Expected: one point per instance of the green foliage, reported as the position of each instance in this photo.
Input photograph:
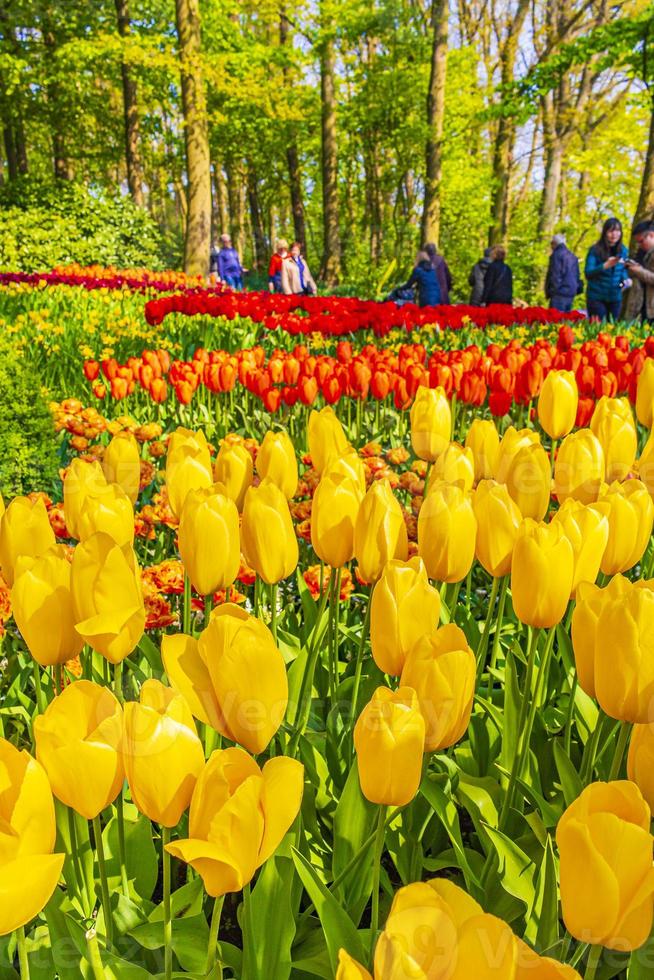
(48, 223)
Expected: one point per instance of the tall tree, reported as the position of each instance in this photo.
(133, 159)
(292, 154)
(431, 214)
(331, 258)
(198, 166)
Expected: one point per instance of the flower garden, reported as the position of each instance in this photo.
(329, 651)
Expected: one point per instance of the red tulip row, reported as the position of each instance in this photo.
(340, 315)
(100, 277)
(608, 365)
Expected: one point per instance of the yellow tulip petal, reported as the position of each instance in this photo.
(189, 674)
(283, 785)
(26, 887)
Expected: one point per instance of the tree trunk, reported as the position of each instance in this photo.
(331, 259)
(554, 150)
(197, 242)
(292, 155)
(256, 220)
(131, 113)
(236, 207)
(10, 151)
(645, 207)
(220, 208)
(431, 214)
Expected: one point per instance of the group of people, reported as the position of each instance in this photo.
(617, 286)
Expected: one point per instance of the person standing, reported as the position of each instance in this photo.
(296, 276)
(477, 277)
(230, 269)
(639, 299)
(498, 281)
(275, 266)
(563, 281)
(425, 279)
(442, 271)
(606, 273)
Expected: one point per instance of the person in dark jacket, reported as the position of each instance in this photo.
(606, 273)
(477, 276)
(563, 281)
(498, 283)
(425, 279)
(442, 271)
(230, 269)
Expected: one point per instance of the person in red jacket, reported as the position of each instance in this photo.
(275, 266)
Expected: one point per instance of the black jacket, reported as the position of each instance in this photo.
(498, 284)
(563, 277)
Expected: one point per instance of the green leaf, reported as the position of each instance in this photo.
(190, 940)
(140, 854)
(512, 702)
(641, 961)
(446, 812)
(273, 919)
(353, 825)
(515, 869)
(571, 783)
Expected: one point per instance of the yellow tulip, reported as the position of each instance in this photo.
(30, 871)
(541, 573)
(239, 815)
(579, 467)
(531, 966)
(529, 480)
(42, 603)
(447, 530)
(404, 606)
(441, 669)
(121, 463)
(484, 440)
(349, 969)
(512, 442)
(498, 519)
(24, 531)
(108, 509)
(380, 531)
(607, 878)
(645, 465)
(234, 469)
(631, 515)
(645, 394)
(456, 464)
(557, 403)
(640, 760)
(347, 464)
(188, 466)
(162, 753)
(586, 526)
(613, 424)
(389, 739)
(2, 506)
(591, 599)
(431, 423)
(624, 656)
(78, 742)
(277, 461)
(334, 511)
(326, 437)
(233, 677)
(107, 597)
(81, 478)
(208, 539)
(267, 534)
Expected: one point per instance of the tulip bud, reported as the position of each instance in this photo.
(81, 478)
(404, 606)
(267, 533)
(107, 597)
(590, 602)
(78, 742)
(557, 403)
(348, 464)
(640, 760)
(349, 969)
(24, 531)
(162, 753)
(107, 508)
(208, 539)
(624, 656)
(512, 442)
(579, 467)
(455, 465)
(30, 871)
(389, 739)
(326, 437)
(42, 604)
(121, 463)
(541, 574)
(233, 677)
(645, 394)
(613, 424)
(631, 515)
(334, 512)
(586, 526)
(431, 423)
(484, 440)
(447, 530)
(188, 466)
(529, 480)
(441, 669)
(380, 532)
(276, 460)
(232, 792)
(607, 879)
(234, 470)
(498, 519)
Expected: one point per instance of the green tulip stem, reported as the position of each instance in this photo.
(186, 611)
(75, 858)
(482, 646)
(498, 630)
(168, 925)
(40, 703)
(22, 954)
(58, 679)
(303, 709)
(590, 751)
(376, 873)
(570, 714)
(592, 966)
(621, 745)
(214, 965)
(334, 606)
(553, 454)
(359, 662)
(104, 883)
(208, 607)
(273, 610)
(93, 952)
(118, 681)
(120, 818)
(527, 698)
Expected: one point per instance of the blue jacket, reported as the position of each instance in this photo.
(563, 274)
(425, 278)
(604, 284)
(229, 263)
